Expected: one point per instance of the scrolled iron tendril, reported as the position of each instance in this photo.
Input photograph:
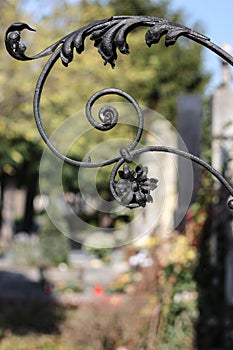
(109, 36)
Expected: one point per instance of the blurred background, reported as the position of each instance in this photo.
(171, 289)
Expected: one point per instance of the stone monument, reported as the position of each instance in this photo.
(222, 156)
(222, 120)
(189, 114)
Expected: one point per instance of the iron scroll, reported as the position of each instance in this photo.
(110, 37)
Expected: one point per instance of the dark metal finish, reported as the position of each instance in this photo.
(109, 36)
(134, 187)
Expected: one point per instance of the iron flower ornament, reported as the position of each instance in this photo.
(110, 37)
(134, 186)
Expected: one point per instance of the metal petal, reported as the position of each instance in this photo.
(153, 183)
(128, 172)
(67, 49)
(140, 198)
(174, 33)
(141, 172)
(149, 198)
(122, 186)
(127, 198)
(145, 188)
(154, 34)
(107, 47)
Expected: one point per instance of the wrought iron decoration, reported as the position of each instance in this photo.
(109, 36)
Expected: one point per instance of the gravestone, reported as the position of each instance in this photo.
(222, 121)
(178, 177)
(189, 128)
(158, 216)
(222, 155)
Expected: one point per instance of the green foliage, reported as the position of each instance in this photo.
(32, 342)
(20, 142)
(140, 7)
(102, 253)
(180, 309)
(53, 244)
(154, 76)
(26, 250)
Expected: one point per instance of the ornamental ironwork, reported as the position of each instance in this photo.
(110, 37)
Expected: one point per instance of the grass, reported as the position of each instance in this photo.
(95, 326)
(33, 342)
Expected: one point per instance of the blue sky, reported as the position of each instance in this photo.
(216, 17)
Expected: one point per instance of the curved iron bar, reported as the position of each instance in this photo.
(109, 35)
(166, 149)
(103, 127)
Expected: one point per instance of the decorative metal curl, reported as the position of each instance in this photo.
(109, 115)
(109, 36)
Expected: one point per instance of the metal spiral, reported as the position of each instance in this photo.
(109, 36)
